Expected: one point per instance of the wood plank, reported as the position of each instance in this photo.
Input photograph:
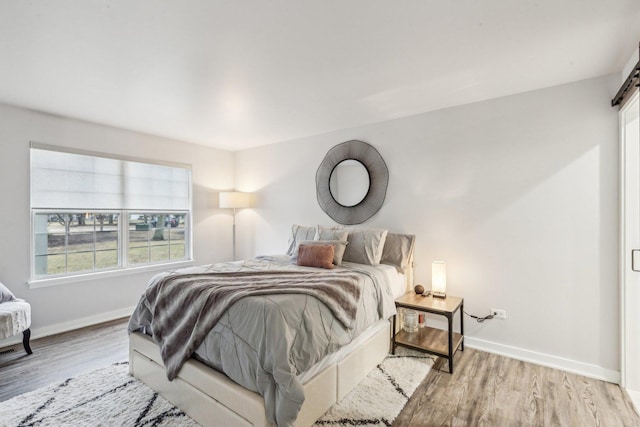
(430, 339)
(430, 304)
(491, 390)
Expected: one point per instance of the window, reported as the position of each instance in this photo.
(155, 237)
(93, 212)
(75, 242)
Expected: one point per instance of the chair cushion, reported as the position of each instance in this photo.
(15, 317)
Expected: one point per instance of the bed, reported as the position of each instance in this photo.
(243, 373)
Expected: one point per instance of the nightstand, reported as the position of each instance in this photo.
(431, 340)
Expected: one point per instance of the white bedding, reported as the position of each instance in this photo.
(294, 330)
(333, 358)
(397, 284)
(397, 281)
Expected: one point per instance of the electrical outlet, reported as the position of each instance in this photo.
(499, 313)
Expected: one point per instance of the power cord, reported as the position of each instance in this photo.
(479, 319)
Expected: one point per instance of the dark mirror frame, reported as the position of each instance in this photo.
(378, 182)
(362, 194)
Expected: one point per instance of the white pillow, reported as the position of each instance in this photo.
(365, 245)
(298, 234)
(334, 234)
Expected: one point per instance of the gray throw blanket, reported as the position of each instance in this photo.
(185, 307)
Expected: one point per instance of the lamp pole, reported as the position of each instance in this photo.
(234, 234)
(234, 200)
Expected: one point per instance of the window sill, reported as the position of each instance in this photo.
(63, 280)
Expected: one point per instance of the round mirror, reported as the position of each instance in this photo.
(349, 183)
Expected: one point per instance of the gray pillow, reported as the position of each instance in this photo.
(397, 251)
(365, 245)
(334, 234)
(298, 234)
(338, 246)
(5, 294)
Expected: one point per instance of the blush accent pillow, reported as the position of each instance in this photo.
(316, 256)
(365, 245)
(334, 234)
(338, 247)
(5, 294)
(298, 234)
(397, 251)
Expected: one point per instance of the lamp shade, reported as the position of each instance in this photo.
(439, 278)
(235, 199)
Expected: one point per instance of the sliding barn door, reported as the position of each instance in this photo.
(630, 269)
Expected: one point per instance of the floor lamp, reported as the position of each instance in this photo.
(234, 200)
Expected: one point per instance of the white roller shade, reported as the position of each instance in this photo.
(63, 180)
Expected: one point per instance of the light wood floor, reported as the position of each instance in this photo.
(485, 389)
(490, 390)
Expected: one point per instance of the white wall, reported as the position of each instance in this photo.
(71, 305)
(633, 60)
(519, 195)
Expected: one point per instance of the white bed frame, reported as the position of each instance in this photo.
(212, 399)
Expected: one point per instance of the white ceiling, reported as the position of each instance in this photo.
(236, 74)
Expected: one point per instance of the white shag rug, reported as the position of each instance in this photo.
(110, 397)
(380, 397)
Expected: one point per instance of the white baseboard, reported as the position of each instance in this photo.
(574, 366)
(634, 396)
(70, 325)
